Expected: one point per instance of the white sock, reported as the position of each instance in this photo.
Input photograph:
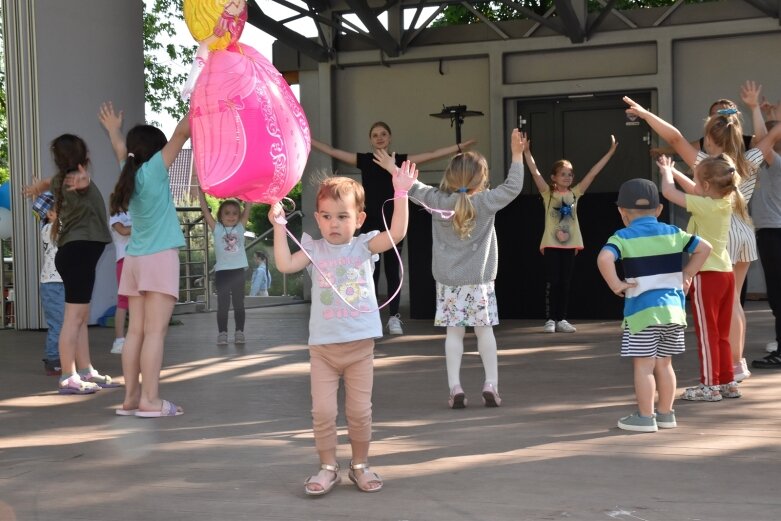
(454, 350)
(486, 345)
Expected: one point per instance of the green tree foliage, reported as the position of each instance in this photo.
(457, 14)
(163, 58)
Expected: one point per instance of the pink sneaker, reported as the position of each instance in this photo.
(491, 396)
(457, 398)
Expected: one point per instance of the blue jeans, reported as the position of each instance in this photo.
(53, 302)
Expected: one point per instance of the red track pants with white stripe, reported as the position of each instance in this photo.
(712, 294)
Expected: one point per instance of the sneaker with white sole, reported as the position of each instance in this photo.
(562, 326)
(741, 370)
(116, 347)
(394, 325)
(549, 327)
(666, 420)
(702, 393)
(636, 423)
(238, 337)
(771, 347)
(222, 338)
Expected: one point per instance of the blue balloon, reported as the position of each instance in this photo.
(5, 195)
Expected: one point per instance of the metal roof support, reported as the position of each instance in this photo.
(258, 18)
(574, 27)
(382, 37)
(485, 20)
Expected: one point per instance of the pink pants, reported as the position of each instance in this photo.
(354, 362)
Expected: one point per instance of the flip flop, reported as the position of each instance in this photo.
(125, 412)
(168, 409)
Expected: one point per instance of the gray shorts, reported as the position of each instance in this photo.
(656, 341)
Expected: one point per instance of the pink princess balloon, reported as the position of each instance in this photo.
(250, 135)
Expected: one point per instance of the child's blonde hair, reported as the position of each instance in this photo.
(726, 132)
(466, 174)
(338, 189)
(720, 173)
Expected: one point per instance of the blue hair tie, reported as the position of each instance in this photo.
(462, 190)
(727, 112)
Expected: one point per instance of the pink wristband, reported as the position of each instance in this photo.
(400, 193)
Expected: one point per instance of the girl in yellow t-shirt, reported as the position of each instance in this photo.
(561, 239)
(710, 198)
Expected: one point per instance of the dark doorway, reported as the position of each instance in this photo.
(578, 129)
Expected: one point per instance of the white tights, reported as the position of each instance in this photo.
(454, 350)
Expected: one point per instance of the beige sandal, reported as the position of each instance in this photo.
(365, 478)
(325, 486)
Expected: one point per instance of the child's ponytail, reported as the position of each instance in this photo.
(726, 132)
(720, 172)
(143, 142)
(69, 152)
(466, 174)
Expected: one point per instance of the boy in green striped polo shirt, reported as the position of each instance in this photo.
(654, 288)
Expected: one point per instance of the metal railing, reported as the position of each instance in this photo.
(298, 214)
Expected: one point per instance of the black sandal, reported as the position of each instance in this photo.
(771, 361)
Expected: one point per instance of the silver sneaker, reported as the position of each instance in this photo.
(238, 337)
(771, 347)
(394, 325)
(549, 327)
(222, 339)
(562, 326)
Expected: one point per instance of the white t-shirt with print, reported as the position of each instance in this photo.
(49, 272)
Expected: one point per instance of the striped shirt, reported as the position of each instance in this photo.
(652, 256)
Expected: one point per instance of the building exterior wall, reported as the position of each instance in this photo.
(685, 67)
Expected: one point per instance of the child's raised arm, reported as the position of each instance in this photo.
(688, 185)
(666, 131)
(245, 213)
(750, 94)
(112, 122)
(767, 143)
(669, 191)
(542, 185)
(205, 210)
(597, 168)
(403, 178)
(284, 260)
(178, 139)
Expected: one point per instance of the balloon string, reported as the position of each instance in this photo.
(445, 214)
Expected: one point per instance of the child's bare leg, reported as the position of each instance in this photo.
(131, 353)
(157, 314)
(665, 383)
(645, 385)
(119, 322)
(737, 330)
(75, 317)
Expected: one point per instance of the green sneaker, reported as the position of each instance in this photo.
(666, 420)
(635, 422)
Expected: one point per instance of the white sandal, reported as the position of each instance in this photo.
(363, 479)
(325, 487)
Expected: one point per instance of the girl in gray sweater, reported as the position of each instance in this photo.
(465, 258)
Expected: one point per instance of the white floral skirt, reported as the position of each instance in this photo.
(469, 305)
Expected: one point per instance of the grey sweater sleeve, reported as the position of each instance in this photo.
(504, 194)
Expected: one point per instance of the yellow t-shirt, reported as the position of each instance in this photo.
(561, 219)
(710, 220)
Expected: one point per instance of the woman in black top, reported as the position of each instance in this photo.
(378, 187)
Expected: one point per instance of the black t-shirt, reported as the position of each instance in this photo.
(378, 185)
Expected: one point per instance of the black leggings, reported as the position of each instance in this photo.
(391, 263)
(76, 262)
(230, 286)
(769, 246)
(559, 265)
